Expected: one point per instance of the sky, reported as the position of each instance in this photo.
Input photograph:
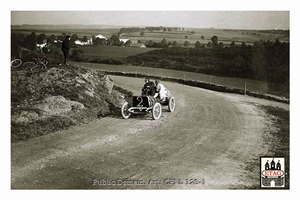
(196, 19)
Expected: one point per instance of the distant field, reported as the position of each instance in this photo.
(192, 35)
(252, 85)
(225, 36)
(116, 52)
(106, 32)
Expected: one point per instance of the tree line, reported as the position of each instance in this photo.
(264, 60)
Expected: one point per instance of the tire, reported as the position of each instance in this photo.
(171, 104)
(28, 65)
(16, 63)
(124, 112)
(156, 111)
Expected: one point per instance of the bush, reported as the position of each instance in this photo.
(77, 55)
(108, 61)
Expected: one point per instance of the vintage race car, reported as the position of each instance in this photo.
(147, 104)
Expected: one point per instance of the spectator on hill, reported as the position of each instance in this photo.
(65, 48)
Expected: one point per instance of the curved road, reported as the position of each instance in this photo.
(208, 139)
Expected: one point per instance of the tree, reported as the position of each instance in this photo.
(74, 37)
(31, 41)
(110, 42)
(139, 41)
(232, 45)
(259, 61)
(277, 43)
(174, 44)
(209, 44)
(186, 37)
(99, 41)
(128, 43)
(142, 33)
(214, 40)
(221, 45)
(150, 43)
(61, 37)
(52, 38)
(202, 37)
(84, 39)
(16, 42)
(244, 45)
(186, 43)
(40, 39)
(197, 45)
(115, 39)
(165, 29)
(163, 42)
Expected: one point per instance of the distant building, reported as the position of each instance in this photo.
(88, 42)
(124, 40)
(41, 45)
(139, 45)
(101, 37)
(78, 42)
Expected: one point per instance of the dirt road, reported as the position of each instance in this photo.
(208, 139)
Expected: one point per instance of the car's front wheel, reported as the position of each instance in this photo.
(124, 110)
(156, 111)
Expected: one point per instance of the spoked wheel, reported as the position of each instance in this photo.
(171, 104)
(16, 63)
(156, 111)
(124, 110)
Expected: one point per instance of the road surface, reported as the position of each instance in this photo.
(205, 143)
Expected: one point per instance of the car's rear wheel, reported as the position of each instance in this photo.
(171, 104)
(156, 111)
(124, 110)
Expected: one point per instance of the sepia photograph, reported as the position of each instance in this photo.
(143, 100)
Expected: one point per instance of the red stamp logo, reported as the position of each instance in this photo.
(272, 172)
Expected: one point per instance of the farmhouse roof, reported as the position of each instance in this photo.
(78, 42)
(100, 36)
(124, 40)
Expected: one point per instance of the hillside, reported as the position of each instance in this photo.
(59, 97)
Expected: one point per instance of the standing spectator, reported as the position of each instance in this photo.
(65, 49)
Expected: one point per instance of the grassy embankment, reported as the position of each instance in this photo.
(277, 139)
(280, 134)
(58, 97)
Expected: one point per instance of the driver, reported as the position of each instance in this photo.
(149, 87)
(161, 91)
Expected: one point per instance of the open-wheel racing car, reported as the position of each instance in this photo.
(147, 104)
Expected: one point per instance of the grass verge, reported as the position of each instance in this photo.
(280, 143)
(277, 138)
